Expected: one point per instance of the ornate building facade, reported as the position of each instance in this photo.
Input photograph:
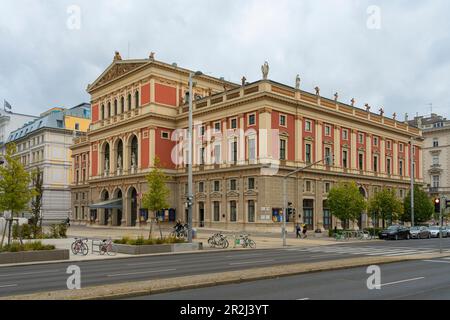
(246, 138)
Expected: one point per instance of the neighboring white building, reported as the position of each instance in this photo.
(436, 153)
(10, 121)
(45, 143)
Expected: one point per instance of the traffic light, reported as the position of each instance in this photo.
(447, 204)
(437, 205)
(189, 201)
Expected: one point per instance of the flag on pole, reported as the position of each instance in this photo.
(6, 105)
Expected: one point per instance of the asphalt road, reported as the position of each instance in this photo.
(46, 277)
(418, 280)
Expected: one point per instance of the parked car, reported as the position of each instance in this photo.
(436, 230)
(395, 233)
(420, 232)
(447, 228)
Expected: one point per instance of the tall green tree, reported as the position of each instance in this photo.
(385, 205)
(15, 190)
(156, 198)
(36, 203)
(346, 202)
(423, 206)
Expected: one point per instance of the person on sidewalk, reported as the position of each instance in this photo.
(304, 231)
(298, 229)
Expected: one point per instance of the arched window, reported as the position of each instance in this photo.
(103, 112)
(109, 109)
(122, 105)
(136, 100)
(129, 102)
(120, 155)
(115, 107)
(107, 162)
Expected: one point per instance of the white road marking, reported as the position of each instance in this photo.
(402, 281)
(150, 263)
(249, 262)
(141, 272)
(8, 285)
(28, 273)
(245, 256)
(436, 261)
(303, 299)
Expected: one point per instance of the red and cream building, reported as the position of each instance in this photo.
(246, 137)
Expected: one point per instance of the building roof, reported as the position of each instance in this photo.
(53, 119)
(434, 121)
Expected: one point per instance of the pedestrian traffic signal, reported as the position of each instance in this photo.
(437, 205)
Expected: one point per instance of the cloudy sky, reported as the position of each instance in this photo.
(393, 53)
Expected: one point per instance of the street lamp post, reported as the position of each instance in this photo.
(285, 201)
(411, 157)
(190, 200)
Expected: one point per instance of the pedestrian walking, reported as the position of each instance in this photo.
(298, 229)
(304, 231)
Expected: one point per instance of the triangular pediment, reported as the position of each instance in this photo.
(115, 71)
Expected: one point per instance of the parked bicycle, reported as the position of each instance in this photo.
(218, 240)
(180, 231)
(246, 242)
(80, 246)
(107, 247)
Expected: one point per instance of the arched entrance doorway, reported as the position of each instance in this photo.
(106, 212)
(133, 205)
(117, 213)
(201, 214)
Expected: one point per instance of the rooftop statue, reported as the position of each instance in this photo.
(265, 70)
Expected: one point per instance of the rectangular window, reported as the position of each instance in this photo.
(388, 165)
(251, 211)
(77, 126)
(388, 145)
(233, 211)
(375, 164)
(283, 120)
(234, 123)
(252, 119)
(328, 159)
(202, 131)
(216, 186)
(217, 127)
(375, 141)
(308, 186)
(216, 211)
(400, 147)
(201, 187)
(251, 183)
(202, 156)
(345, 159)
(344, 134)
(282, 149)
(436, 181)
(217, 155)
(361, 161)
(327, 187)
(400, 168)
(308, 153)
(234, 152)
(308, 126)
(251, 149)
(233, 185)
(435, 160)
(327, 131)
(361, 138)
(164, 135)
(59, 123)
(435, 142)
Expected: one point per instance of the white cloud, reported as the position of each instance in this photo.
(403, 66)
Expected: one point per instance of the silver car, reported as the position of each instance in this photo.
(436, 230)
(420, 233)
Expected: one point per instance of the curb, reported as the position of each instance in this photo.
(143, 288)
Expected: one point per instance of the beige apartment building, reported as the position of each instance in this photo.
(246, 137)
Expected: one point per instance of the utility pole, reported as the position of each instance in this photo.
(411, 157)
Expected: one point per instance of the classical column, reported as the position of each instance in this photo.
(369, 152)
(139, 162)
(382, 155)
(319, 141)
(152, 91)
(241, 205)
(318, 207)
(224, 148)
(241, 140)
(354, 151)
(298, 139)
(337, 148)
(126, 155)
(265, 135)
(395, 159)
(152, 146)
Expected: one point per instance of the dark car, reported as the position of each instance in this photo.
(395, 233)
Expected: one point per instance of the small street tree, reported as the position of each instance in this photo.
(36, 203)
(346, 202)
(15, 191)
(156, 198)
(423, 206)
(385, 205)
